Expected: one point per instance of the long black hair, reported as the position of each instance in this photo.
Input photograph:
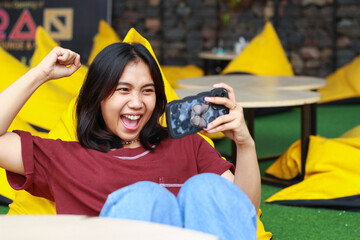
(101, 81)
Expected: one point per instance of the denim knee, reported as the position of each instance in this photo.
(212, 204)
(214, 186)
(146, 201)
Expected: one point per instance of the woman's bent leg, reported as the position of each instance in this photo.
(212, 204)
(145, 201)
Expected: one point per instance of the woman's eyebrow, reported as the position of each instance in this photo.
(124, 83)
(129, 84)
(149, 85)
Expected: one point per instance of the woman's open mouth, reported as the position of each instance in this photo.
(131, 122)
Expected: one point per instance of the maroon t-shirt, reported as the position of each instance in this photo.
(80, 179)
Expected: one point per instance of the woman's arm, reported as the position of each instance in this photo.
(57, 64)
(233, 125)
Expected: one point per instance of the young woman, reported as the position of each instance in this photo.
(124, 164)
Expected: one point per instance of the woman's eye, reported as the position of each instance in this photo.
(122, 89)
(149, 90)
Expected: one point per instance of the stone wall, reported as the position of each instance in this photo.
(317, 35)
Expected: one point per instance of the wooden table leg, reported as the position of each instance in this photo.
(250, 117)
(308, 127)
(313, 119)
(206, 67)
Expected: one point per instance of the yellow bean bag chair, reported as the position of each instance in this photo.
(331, 175)
(354, 132)
(343, 83)
(174, 73)
(264, 55)
(11, 69)
(106, 35)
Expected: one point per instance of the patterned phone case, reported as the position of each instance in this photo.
(191, 114)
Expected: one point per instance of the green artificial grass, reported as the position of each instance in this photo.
(3, 210)
(300, 223)
(273, 135)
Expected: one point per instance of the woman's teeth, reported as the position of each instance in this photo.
(132, 117)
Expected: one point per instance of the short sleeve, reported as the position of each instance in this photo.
(209, 160)
(35, 166)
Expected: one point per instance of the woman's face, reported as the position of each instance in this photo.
(130, 107)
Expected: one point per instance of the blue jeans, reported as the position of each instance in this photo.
(206, 202)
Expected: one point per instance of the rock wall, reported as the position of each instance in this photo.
(318, 36)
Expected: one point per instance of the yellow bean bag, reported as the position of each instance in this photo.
(343, 83)
(354, 132)
(11, 69)
(264, 55)
(106, 35)
(331, 175)
(174, 73)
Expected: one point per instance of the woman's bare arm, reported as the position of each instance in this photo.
(233, 125)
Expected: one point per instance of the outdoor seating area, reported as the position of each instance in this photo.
(300, 98)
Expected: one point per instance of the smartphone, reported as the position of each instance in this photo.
(191, 114)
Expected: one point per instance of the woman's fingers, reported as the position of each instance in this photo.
(233, 125)
(68, 57)
(223, 123)
(229, 89)
(60, 62)
(68, 60)
(229, 102)
(72, 63)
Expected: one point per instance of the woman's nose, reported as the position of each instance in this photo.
(135, 101)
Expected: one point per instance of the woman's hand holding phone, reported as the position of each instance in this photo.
(232, 125)
(192, 114)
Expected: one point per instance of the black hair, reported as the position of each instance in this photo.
(101, 82)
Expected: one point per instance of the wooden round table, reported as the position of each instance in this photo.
(227, 56)
(254, 81)
(69, 227)
(263, 98)
(219, 60)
